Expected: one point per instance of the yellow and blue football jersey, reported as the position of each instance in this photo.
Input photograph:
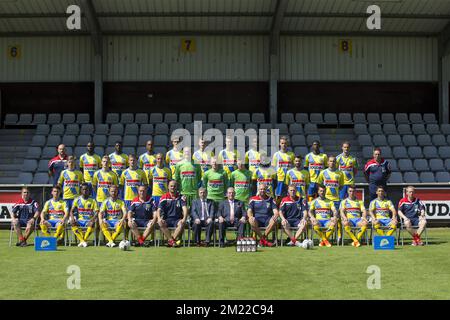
(102, 180)
(283, 160)
(172, 158)
(348, 166)
(228, 160)
(160, 178)
(323, 209)
(147, 162)
(315, 163)
(131, 180)
(86, 208)
(113, 209)
(90, 164)
(299, 178)
(333, 181)
(70, 180)
(119, 162)
(253, 160)
(203, 159)
(381, 208)
(267, 176)
(55, 209)
(353, 208)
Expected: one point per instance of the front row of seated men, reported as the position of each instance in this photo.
(172, 213)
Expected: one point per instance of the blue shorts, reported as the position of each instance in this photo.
(54, 222)
(69, 203)
(172, 223)
(323, 222)
(312, 189)
(414, 221)
(294, 222)
(156, 199)
(141, 223)
(263, 221)
(343, 192)
(23, 222)
(112, 223)
(354, 221)
(83, 223)
(385, 222)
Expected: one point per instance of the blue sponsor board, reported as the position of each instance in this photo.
(384, 242)
(45, 244)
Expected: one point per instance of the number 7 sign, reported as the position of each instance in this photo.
(188, 45)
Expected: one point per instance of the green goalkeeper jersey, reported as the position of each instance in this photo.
(188, 176)
(215, 183)
(241, 180)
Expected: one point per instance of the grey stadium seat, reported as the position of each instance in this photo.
(236, 126)
(387, 118)
(444, 152)
(73, 129)
(421, 165)
(68, 118)
(411, 177)
(175, 126)
(116, 129)
(367, 152)
(190, 127)
(83, 118)
(132, 128)
(101, 128)
(439, 140)
(295, 128)
(373, 118)
(33, 153)
(379, 140)
(396, 177)
(430, 152)
(418, 128)
(303, 151)
(330, 118)
(126, 118)
(11, 119)
(429, 118)
(214, 118)
(146, 128)
(375, 129)
(162, 128)
(287, 118)
(109, 150)
(156, 118)
(69, 140)
(100, 151)
(311, 128)
(250, 126)
(25, 178)
(48, 152)
(161, 141)
(113, 138)
(401, 118)
(160, 149)
(395, 140)
(359, 118)
(415, 152)
(427, 177)
(389, 128)
(298, 140)
(79, 151)
(38, 141)
(25, 119)
(258, 118)
(365, 140)
(448, 139)
(29, 165)
(445, 128)
(112, 118)
(54, 118)
(40, 118)
(200, 117)
(436, 165)
(142, 140)
(222, 127)
(140, 151)
(415, 118)
(170, 118)
(404, 129)
(40, 178)
(316, 118)
(282, 127)
(443, 176)
(42, 129)
(57, 129)
(386, 152)
(265, 126)
(243, 118)
(424, 140)
(141, 118)
(229, 118)
(400, 152)
(360, 129)
(405, 165)
(345, 118)
(393, 163)
(185, 118)
(302, 118)
(53, 141)
(100, 140)
(129, 150)
(311, 138)
(42, 166)
(87, 128)
(409, 140)
(433, 129)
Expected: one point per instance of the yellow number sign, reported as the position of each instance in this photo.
(14, 52)
(345, 46)
(188, 45)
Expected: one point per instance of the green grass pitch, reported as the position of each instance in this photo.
(212, 273)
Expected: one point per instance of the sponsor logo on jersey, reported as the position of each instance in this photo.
(71, 183)
(331, 183)
(215, 183)
(132, 183)
(188, 174)
(316, 166)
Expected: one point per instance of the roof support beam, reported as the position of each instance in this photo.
(443, 51)
(274, 65)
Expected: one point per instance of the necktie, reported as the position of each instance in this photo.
(203, 210)
(231, 211)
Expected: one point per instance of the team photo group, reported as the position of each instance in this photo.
(251, 194)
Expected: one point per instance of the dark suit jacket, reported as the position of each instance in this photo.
(196, 209)
(224, 210)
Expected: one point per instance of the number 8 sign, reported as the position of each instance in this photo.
(345, 46)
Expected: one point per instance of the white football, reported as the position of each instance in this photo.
(307, 244)
(124, 245)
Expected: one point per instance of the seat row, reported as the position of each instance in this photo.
(413, 152)
(408, 140)
(402, 129)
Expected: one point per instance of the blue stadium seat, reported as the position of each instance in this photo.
(443, 176)
(68, 118)
(302, 118)
(141, 118)
(411, 177)
(126, 118)
(287, 118)
(112, 118)
(427, 177)
(11, 119)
